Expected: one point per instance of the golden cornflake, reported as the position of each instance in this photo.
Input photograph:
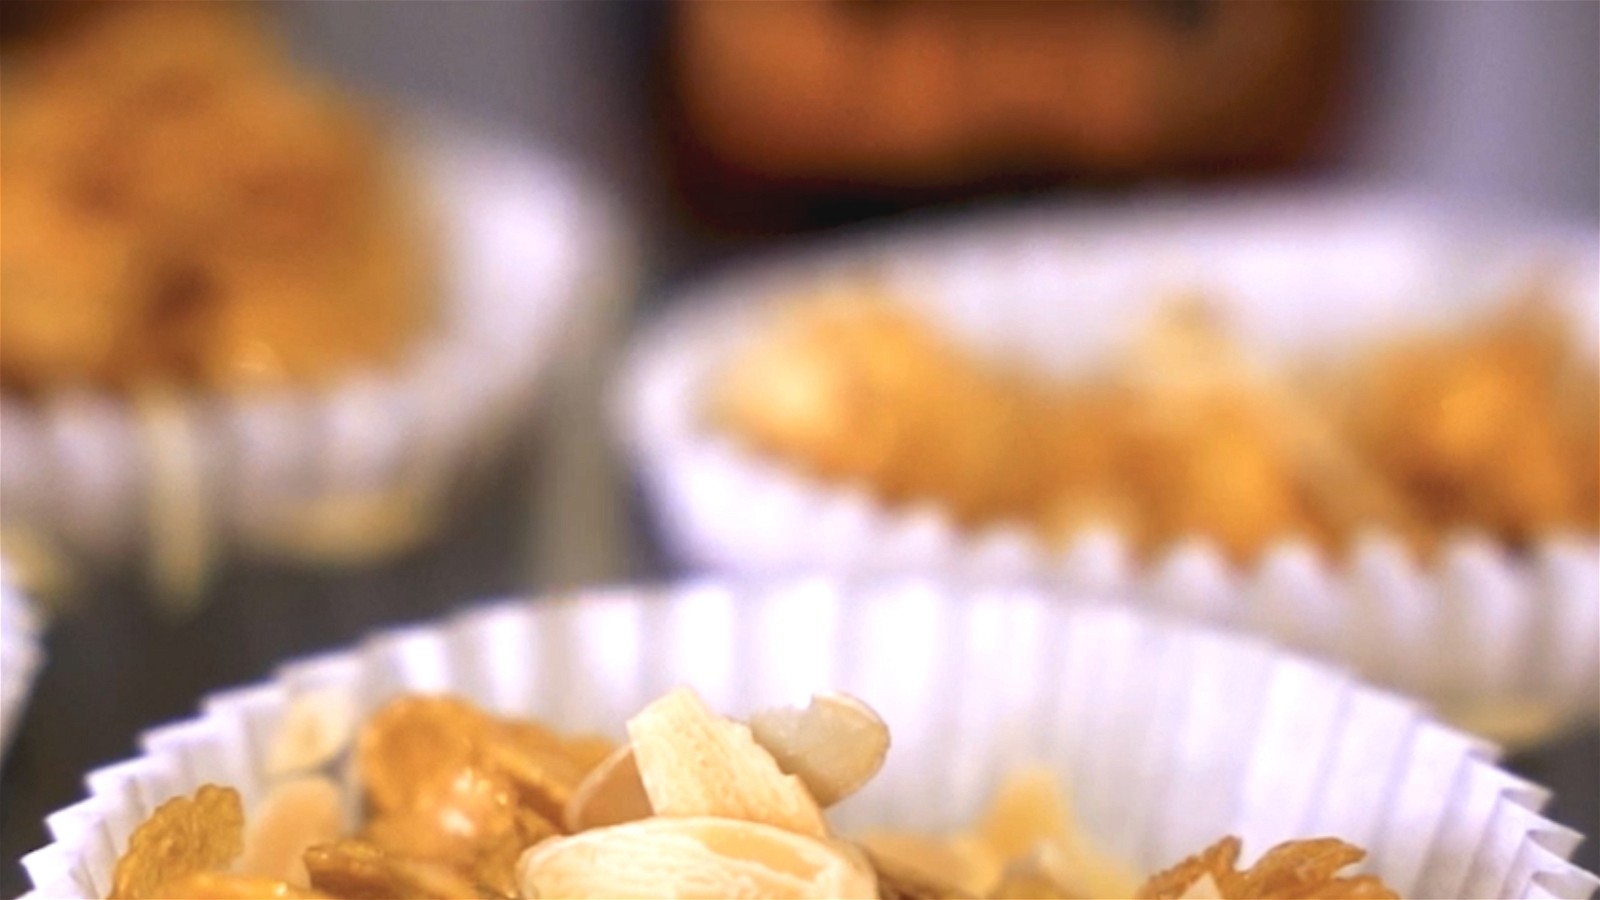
(1293, 870)
(475, 826)
(227, 886)
(416, 746)
(357, 870)
(184, 836)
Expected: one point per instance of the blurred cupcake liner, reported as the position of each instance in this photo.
(1507, 644)
(364, 467)
(20, 656)
(1167, 736)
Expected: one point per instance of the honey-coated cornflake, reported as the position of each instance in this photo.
(463, 805)
(357, 870)
(415, 747)
(228, 886)
(184, 836)
(1293, 870)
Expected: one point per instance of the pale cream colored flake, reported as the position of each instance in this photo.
(317, 726)
(296, 815)
(835, 745)
(694, 762)
(694, 858)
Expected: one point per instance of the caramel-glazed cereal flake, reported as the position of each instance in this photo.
(416, 746)
(357, 870)
(184, 836)
(1293, 870)
(228, 886)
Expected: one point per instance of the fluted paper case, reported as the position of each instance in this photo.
(1167, 735)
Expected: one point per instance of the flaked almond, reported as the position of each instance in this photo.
(693, 762)
(1030, 823)
(357, 869)
(961, 864)
(316, 728)
(1082, 868)
(899, 881)
(610, 794)
(694, 858)
(1026, 809)
(834, 745)
(297, 814)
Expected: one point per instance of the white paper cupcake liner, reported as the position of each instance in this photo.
(20, 656)
(1508, 644)
(1168, 736)
(364, 466)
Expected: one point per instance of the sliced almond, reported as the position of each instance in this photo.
(835, 744)
(610, 794)
(297, 814)
(694, 762)
(962, 865)
(1082, 869)
(899, 881)
(316, 728)
(1026, 809)
(694, 858)
(1031, 823)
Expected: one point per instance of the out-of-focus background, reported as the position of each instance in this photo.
(722, 131)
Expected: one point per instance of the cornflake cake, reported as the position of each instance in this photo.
(457, 803)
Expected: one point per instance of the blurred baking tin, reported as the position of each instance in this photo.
(1509, 645)
(361, 468)
(20, 655)
(1167, 735)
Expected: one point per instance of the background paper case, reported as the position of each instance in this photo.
(1505, 642)
(366, 465)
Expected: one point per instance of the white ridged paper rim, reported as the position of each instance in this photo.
(1167, 735)
(525, 242)
(1507, 644)
(20, 656)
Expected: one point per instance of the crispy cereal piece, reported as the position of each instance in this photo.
(694, 762)
(854, 388)
(537, 762)
(185, 835)
(588, 750)
(1293, 870)
(1218, 861)
(1473, 425)
(415, 746)
(228, 886)
(476, 824)
(73, 291)
(1029, 824)
(356, 870)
